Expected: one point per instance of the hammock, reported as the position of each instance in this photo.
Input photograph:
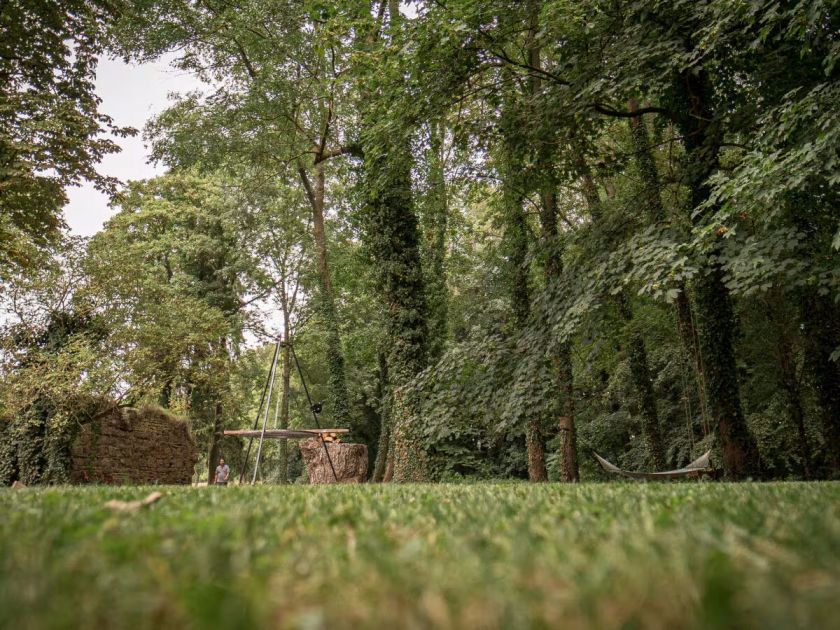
(698, 467)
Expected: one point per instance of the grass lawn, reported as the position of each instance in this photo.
(701, 555)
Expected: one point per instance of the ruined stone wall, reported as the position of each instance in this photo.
(127, 445)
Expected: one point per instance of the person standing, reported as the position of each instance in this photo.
(222, 473)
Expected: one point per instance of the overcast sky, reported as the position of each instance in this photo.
(131, 94)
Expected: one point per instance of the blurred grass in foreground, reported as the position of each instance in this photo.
(470, 556)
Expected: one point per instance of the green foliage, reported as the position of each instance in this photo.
(54, 383)
(168, 272)
(472, 218)
(52, 134)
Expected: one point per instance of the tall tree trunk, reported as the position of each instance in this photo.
(516, 237)
(338, 403)
(393, 237)
(561, 354)
(691, 344)
(520, 293)
(643, 384)
(568, 430)
(715, 317)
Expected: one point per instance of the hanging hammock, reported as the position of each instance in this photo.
(700, 466)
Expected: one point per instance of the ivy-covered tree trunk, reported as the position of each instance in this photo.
(715, 317)
(561, 356)
(394, 242)
(516, 246)
(384, 443)
(435, 220)
(393, 239)
(684, 313)
(30, 436)
(519, 241)
(337, 386)
(8, 454)
(642, 384)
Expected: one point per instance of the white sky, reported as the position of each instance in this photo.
(131, 95)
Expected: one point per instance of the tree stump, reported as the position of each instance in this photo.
(350, 461)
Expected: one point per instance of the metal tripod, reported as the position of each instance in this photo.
(265, 404)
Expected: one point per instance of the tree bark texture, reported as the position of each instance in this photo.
(410, 460)
(349, 460)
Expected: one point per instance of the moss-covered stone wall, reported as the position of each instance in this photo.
(127, 445)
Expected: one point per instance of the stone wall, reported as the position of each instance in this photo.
(127, 445)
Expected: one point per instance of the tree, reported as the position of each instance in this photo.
(392, 237)
(169, 274)
(279, 100)
(56, 368)
(52, 134)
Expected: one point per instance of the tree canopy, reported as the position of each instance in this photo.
(499, 235)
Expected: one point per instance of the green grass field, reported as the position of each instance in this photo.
(470, 556)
